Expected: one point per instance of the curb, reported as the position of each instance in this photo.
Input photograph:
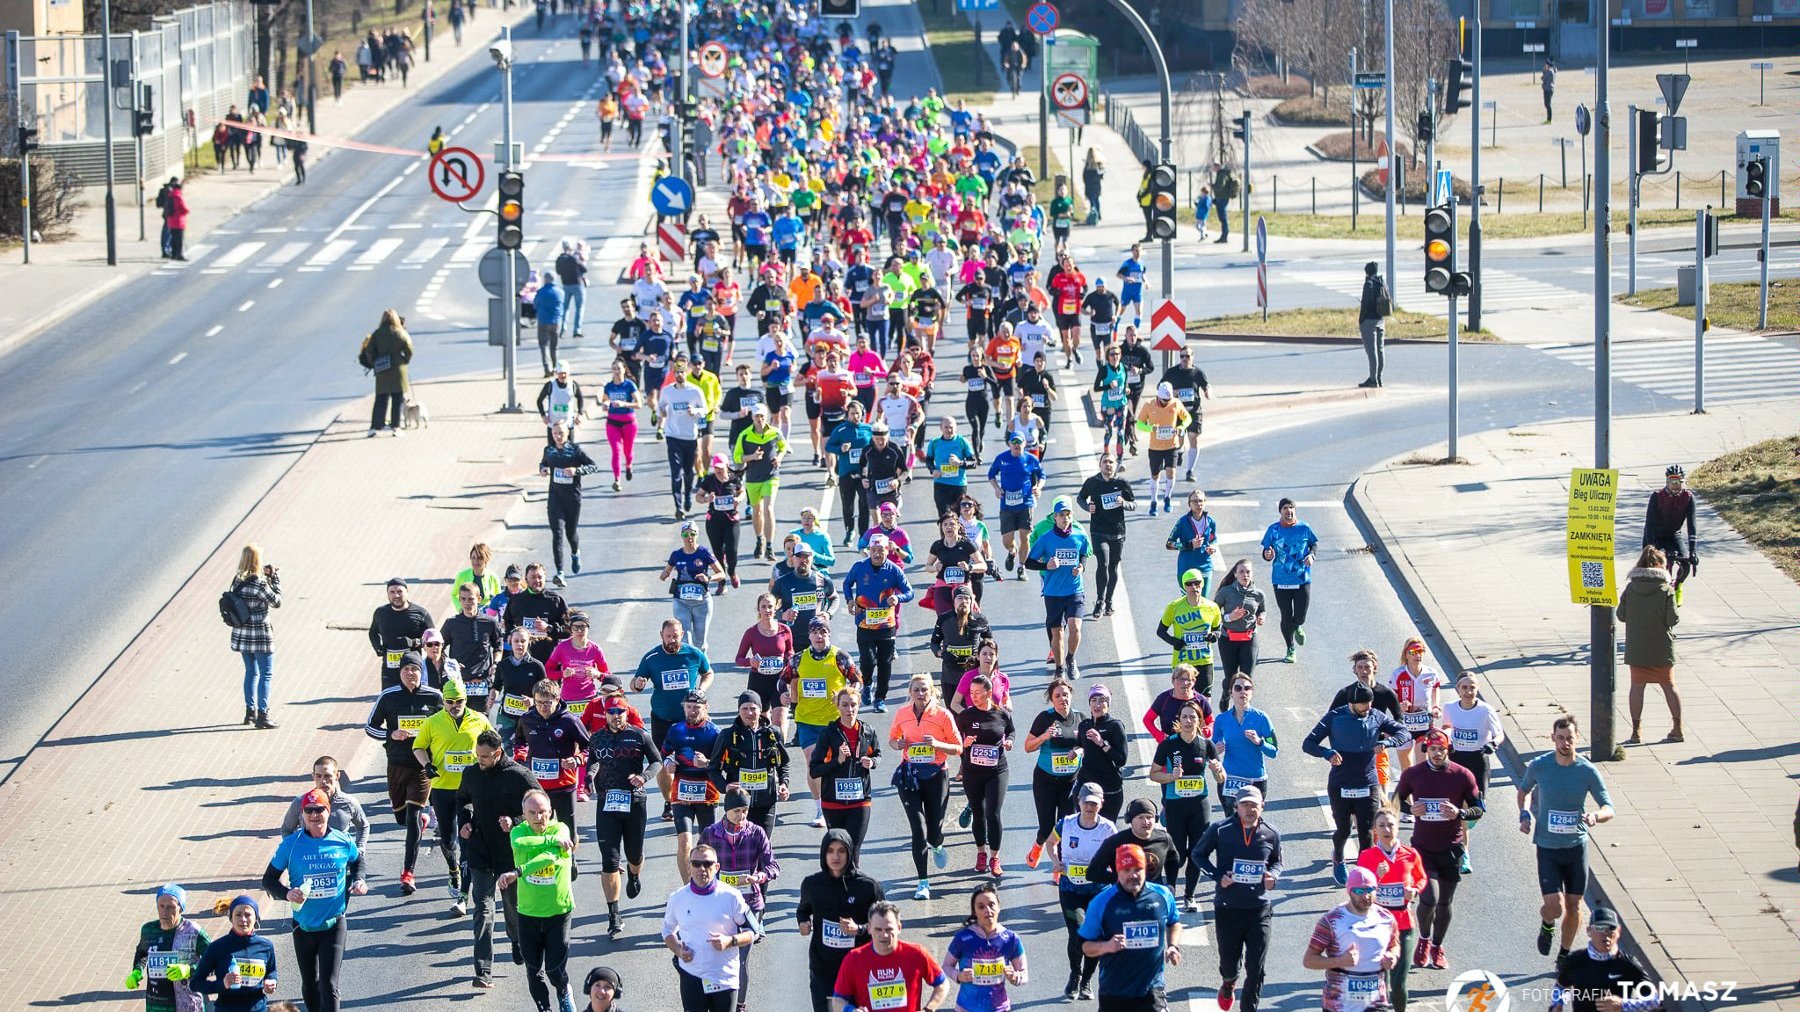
(1437, 629)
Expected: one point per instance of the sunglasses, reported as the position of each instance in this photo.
(314, 809)
(703, 864)
(1363, 891)
(1240, 688)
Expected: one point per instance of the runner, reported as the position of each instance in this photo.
(888, 973)
(833, 911)
(168, 951)
(984, 956)
(346, 812)
(1189, 384)
(1357, 731)
(1589, 978)
(1102, 310)
(956, 562)
(1363, 665)
(1131, 292)
(803, 592)
(542, 613)
(948, 457)
(687, 751)
(395, 628)
(746, 863)
(1553, 793)
(670, 671)
(749, 756)
(955, 638)
(1290, 546)
(445, 745)
(690, 572)
(1132, 928)
(395, 718)
(1110, 384)
(986, 729)
(1416, 685)
(815, 536)
(1195, 539)
(722, 493)
(886, 466)
(1246, 739)
(1443, 799)
(1399, 881)
(1242, 855)
(1355, 943)
(619, 756)
(1003, 353)
(1163, 418)
(473, 640)
(492, 799)
(841, 760)
(543, 855)
(324, 869)
(1165, 710)
(759, 451)
(1241, 605)
(552, 743)
(1072, 846)
(1107, 498)
(1055, 737)
(238, 970)
(1190, 625)
(875, 588)
(680, 410)
(516, 675)
(1067, 288)
(1104, 750)
(1475, 735)
(812, 683)
(1061, 555)
(765, 651)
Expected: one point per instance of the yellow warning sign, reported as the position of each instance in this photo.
(1593, 497)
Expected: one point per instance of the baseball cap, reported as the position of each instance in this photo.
(1248, 793)
(878, 540)
(1092, 792)
(513, 572)
(1192, 576)
(1604, 917)
(760, 410)
(1359, 878)
(1061, 505)
(431, 636)
(396, 582)
(562, 367)
(803, 549)
(1165, 391)
(689, 527)
(694, 696)
(718, 460)
(315, 797)
(1129, 856)
(1014, 437)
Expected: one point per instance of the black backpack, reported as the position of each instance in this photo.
(233, 609)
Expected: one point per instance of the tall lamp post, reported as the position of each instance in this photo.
(106, 120)
(1602, 634)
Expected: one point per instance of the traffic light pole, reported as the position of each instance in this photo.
(1762, 297)
(677, 133)
(106, 84)
(1454, 368)
(509, 270)
(1602, 634)
(1700, 310)
(1632, 169)
(1164, 143)
(1474, 189)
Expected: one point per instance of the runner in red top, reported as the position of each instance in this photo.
(1400, 877)
(1068, 286)
(888, 975)
(970, 224)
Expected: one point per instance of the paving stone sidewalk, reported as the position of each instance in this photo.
(1701, 858)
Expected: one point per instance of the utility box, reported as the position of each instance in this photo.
(1684, 285)
(1751, 145)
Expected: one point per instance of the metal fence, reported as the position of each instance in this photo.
(1123, 123)
(194, 64)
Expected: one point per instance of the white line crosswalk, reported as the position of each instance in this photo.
(1738, 368)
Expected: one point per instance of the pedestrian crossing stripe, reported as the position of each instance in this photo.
(1738, 368)
(260, 257)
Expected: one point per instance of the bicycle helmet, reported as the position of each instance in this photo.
(1675, 471)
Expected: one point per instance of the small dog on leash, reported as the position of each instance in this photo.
(415, 416)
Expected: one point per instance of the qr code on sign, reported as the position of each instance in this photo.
(1593, 576)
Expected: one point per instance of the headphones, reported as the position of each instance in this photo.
(599, 973)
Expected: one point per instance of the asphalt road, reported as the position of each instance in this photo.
(137, 433)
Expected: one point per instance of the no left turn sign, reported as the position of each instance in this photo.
(712, 59)
(1068, 91)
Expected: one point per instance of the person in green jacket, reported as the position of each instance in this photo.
(167, 950)
(543, 853)
(1647, 607)
(386, 353)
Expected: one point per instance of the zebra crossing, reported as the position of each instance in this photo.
(1499, 290)
(407, 252)
(1738, 367)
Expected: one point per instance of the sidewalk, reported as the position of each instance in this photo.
(1700, 860)
(150, 778)
(68, 275)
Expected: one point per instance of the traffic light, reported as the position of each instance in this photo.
(1163, 200)
(28, 140)
(1240, 126)
(1424, 130)
(1756, 178)
(511, 188)
(1712, 235)
(846, 9)
(1649, 152)
(143, 122)
(1459, 78)
(1440, 247)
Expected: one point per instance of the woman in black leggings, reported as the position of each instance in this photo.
(955, 638)
(1056, 738)
(842, 760)
(1182, 763)
(925, 734)
(1104, 751)
(978, 377)
(987, 733)
(723, 493)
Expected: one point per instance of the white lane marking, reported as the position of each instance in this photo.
(177, 359)
(215, 330)
(330, 252)
(425, 250)
(410, 169)
(140, 385)
(287, 252)
(276, 282)
(246, 306)
(471, 249)
(364, 207)
(378, 251)
(620, 614)
(33, 465)
(238, 254)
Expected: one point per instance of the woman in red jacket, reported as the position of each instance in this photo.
(1399, 877)
(175, 212)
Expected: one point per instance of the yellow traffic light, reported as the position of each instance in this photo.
(1437, 250)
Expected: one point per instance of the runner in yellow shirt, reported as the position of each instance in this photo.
(445, 745)
(1165, 419)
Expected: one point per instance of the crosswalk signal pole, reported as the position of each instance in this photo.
(1701, 251)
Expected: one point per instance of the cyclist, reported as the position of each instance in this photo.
(1670, 509)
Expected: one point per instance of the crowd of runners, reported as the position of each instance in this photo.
(874, 251)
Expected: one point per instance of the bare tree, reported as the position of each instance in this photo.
(1424, 37)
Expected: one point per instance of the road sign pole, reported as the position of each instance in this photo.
(1393, 157)
(1700, 310)
(1632, 168)
(1474, 186)
(1762, 296)
(106, 119)
(1602, 640)
(509, 355)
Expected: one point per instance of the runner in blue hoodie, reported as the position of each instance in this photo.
(1060, 554)
(1289, 546)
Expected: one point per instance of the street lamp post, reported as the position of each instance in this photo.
(1602, 641)
(106, 119)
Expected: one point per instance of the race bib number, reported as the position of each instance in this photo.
(252, 971)
(1360, 992)
(921, 753)
(863, 379)
(807, 601)
(954, 575)
(1040, 400)
(849, 789)
(690, 792)
(1565, 823)
(1353, 792)
(756, 780)
(812, 688)
(1190, 787)
(950, 470)
(769, 665)
(1233, 785)
(1438, 809)
(1067, 556)
(877, 616)
(579, 706)
(692, 592)
(456, 762)
(1247, 872)
(411, 724)
(1102, 329)
(1184, 394)
(1065, 764)
(1418, 721)
(541, 880)
(393, 658)
(533, 626)
(515, 706)
(1142, 935)
(1112, 500)
(984, 755)
(889, 995)
(1391, 894)
(323, 883)
(1075, 872)
(1068, 306)
(725, 503)
(855, 454)
(1194, 640)
(674, 679)
(477, 688)
(546, 769)
(562, 475)
(1466, 739)
(1013, 498)
(988, 972)
(156, 964)
(1165, 432)
(977, 385)
(835, 937)
(733, 879)
(884, 485)
(616, 801)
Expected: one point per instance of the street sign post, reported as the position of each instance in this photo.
(1042, 17)
(1069, 91)
(1072, 119)
(456, 175)
(1168, 327)
(1761, 67)
(1370, 79)
(672, 196)
(970, 6)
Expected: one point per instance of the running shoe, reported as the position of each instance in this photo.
(616, 487)
(484, 983)
(940, 856)
(627, 472)
(818, 821)
(1679, 594)
(1227, 994)
(1438, 960)
(1466, 868)
(1099, 609)
(1166, 507)
(1546, 935)
(613, 928)
(459, 904)
(735, 584)
(575, 563)
(994, 868)
(1300, 635)
(1152, 505)
(981, 863)
(881, 706)
(633, 885)
(1012, 560)
(1070, 989)
(1337, 872)
(1034, 855)
(559, 580)
(1422, 954)
(1289, 659)
(1087, 990)
(1074, 670)
(923, 892)
(407, 888)
(967, 817)
(1189, 476)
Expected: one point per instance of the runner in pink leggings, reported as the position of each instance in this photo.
(622, 403)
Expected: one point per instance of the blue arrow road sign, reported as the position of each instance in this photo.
(671, 196)
(977, 5)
